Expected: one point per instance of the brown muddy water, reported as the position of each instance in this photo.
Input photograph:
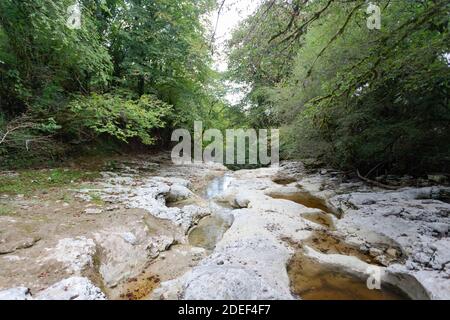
(327, 243)
(284, 181)
(311, 280)
(208, 232)
(306, 199)
(321, 218)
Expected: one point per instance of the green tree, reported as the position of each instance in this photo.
(360, 98)
(133, 70)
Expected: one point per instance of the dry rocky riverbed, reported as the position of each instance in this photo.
(152, 230)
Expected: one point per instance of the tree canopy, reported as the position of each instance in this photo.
(346, 94)
(134, 68)
(352, 96)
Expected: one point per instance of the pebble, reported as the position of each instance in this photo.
(93, 211)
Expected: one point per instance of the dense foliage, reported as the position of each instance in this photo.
(348, 95)
(134, 68)
(353, 97)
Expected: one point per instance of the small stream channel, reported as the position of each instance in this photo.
(209, 230)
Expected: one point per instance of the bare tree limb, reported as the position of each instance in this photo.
(13, 126)
(294, 15)
(294, 36)
(213, 37)
(414, 24)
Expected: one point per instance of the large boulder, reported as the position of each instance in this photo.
(178, 193)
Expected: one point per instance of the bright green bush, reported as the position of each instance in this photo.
(120, 117)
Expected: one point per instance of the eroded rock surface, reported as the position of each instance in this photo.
(410, 220)
(126, 235)
(250, 260)
(20, 293)
(404, 232)
(76, 253)
(74, 288)
(107, 235)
